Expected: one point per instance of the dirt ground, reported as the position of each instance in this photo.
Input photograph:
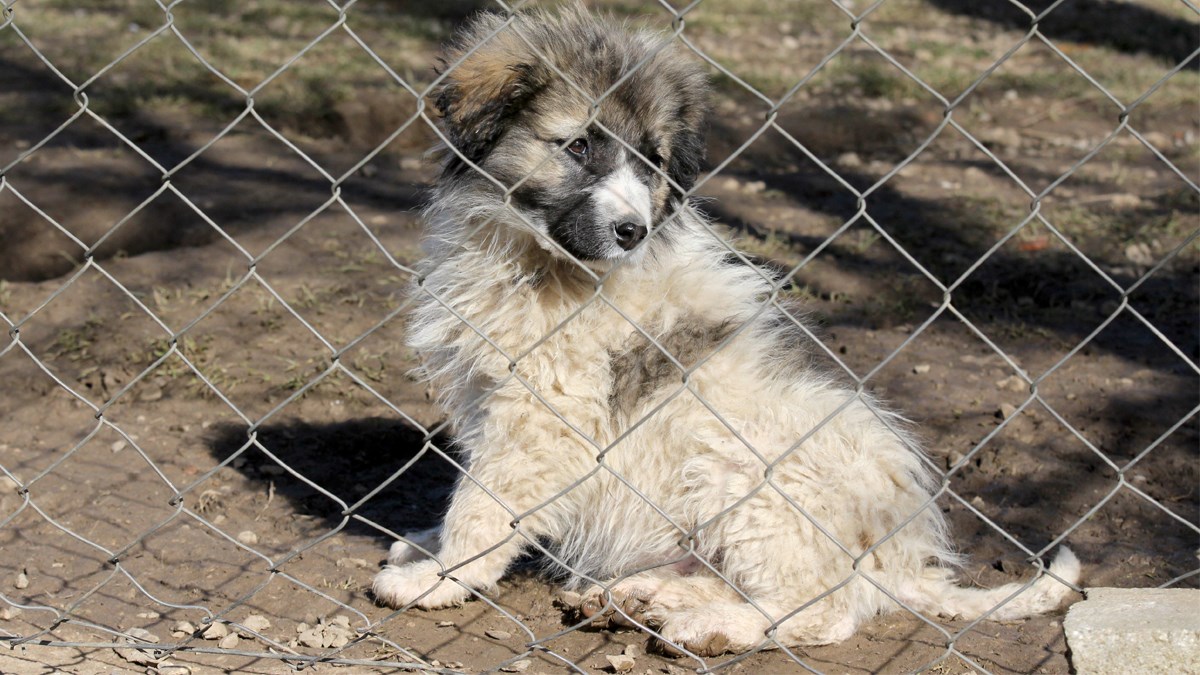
(256, 467)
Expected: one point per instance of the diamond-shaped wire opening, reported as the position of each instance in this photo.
(335, 246)
(789, 40)
(337, 103)
(108, 32)
(35, 101)
(67, 336)
(258, 373)
(252, 185)
(89, 181)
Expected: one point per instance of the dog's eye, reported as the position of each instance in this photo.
(578, 147)
(656, 159)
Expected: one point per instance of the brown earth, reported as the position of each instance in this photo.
(227, 474)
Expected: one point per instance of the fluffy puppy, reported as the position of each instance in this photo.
(628, 396)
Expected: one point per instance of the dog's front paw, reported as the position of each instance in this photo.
(414, 546)
(417, 583)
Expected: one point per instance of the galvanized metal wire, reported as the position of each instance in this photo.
(675, 20)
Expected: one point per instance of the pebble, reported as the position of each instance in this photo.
(1124, 200)
(182, 629)
(256, 623)
(1139, 254)
(247, 537)
(9, 613)
(445, 624)
(310, 638)
(849, 160)
(632, 651)
(148, 615)
(22, 580)
(517, 666)
(229, 641)
(1012, 383)
(569, 599)
(215, 631)
(118, 446)
(754, 187)
(620, 663)
(137, 656)
(921, 368)
(497, 634)
(1006, 411)
(143, 635)
(1000, 137)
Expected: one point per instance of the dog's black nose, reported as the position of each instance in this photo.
(629, 234)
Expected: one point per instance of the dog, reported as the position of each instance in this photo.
(629, 395)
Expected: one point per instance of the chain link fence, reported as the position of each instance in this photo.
(210, 433)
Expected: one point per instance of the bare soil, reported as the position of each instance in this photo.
(145, 484)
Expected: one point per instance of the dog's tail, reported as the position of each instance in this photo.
(942, 595)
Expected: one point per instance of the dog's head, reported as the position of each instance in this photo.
(595, 128)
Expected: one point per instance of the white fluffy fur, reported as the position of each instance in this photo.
(526, 377)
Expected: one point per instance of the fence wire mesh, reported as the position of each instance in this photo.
(208, 220)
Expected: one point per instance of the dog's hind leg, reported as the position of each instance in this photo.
(702, 614)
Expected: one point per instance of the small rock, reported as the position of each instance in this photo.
(445, 624)
(353, 562)
(310, 638)
(1006, 411)
(151, 394)
(182, 628)
(137, 656)
(1124, 200)
(9, 613)
(247, 537)
(148, 615)
(999, 137)
(754, 187)
(849, 160)
(568, 599)
(632, 650)
(229, 641)
(954, 458)
(335, 639)
(215, 631)
(1012, 383)
(143, 635)
(7, 485)
(620, 663)
(118, 446)
(340, 620)
(517, 666)
(977, 502)
(496, 634)
(1158, 139)
(921, 368)
(22, 580)
(1139, 254)
(256, 623)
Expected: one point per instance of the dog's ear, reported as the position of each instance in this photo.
(478, 96)
(689, 144)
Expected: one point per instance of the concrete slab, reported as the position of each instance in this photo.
(1119, 631)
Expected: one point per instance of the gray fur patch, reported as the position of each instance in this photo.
(641, 368)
